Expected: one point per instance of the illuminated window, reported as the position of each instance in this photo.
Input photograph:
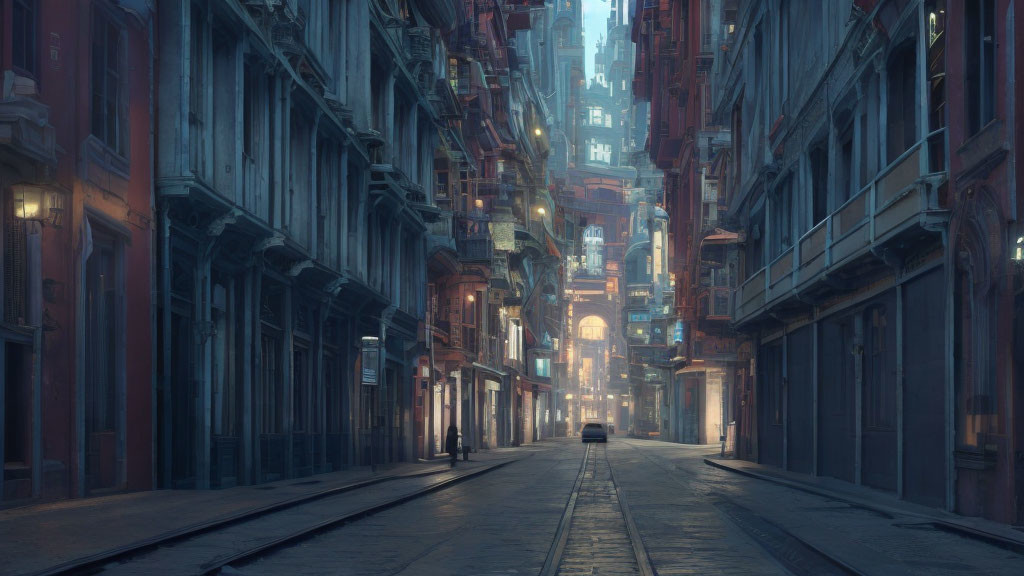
(542, 367)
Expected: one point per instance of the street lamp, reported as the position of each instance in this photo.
(541, 211)
(470, 298)
(537, 131)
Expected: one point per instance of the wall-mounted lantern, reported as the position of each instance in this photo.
(38, 203)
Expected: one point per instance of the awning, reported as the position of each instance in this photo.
(721, 237)
(486, 368)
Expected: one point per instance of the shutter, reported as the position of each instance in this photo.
(14, 268)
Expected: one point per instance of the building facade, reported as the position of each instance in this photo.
(76, 160)
(690, 147)
(869, 181)
(294, 179)
(495, 281)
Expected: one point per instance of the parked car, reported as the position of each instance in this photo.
(594, 432)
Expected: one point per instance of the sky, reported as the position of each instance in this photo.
(595, 26)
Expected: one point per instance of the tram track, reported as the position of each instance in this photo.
(122, 559)
(597, 530)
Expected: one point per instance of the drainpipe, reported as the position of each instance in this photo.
(153, 273)
(165, 293)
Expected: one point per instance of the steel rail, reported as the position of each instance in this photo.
(93, 562)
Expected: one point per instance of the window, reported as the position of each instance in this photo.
(979, 56)
(109, 91)
(600, 152)
(24, 40)
(781, 214)
(249, 112)
(596, 117)
(902, 109)
(844, 167)
(542, 367)
(515, 339)
(818, 158)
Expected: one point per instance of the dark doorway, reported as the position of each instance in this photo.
(836, 399)
(334, 411)
(770, 399)
(102, 369)
(800, 401)
(924, 390)
(879, 394)
(17, 388)
(184, 397)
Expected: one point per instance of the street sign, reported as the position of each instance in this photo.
(370, 360)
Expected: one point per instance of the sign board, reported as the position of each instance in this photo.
(370, 360)
(504, 235)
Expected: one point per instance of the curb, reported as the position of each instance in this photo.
(939, 523)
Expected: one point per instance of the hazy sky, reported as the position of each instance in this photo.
(595, 26)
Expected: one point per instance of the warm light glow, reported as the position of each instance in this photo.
(568, 396)
(28, 201)
(537, 132)
(611, 396)
(541, 211)
(478, 203)
(471, 298)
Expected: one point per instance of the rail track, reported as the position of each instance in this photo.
(235, 540)
(597, 511)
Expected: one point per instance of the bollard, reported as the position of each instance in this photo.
(465, 453)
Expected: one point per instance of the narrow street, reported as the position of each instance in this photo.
(692, 518)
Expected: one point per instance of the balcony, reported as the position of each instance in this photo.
(25, 129)
(475, 247)
(894, 212)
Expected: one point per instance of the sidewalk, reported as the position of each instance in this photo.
(885, 502)
(39, 537)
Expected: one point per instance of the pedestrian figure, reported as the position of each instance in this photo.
(451, 443)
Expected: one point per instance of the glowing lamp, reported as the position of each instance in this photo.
(28, 201)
